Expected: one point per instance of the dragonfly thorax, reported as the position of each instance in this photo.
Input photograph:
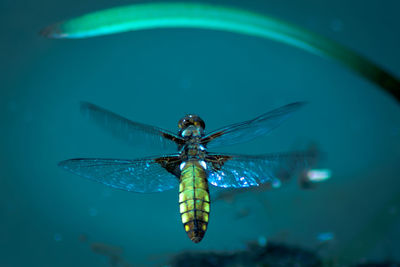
(193, 150)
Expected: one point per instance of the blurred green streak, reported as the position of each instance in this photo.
(196, 15)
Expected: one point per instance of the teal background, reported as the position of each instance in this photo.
(157, 77)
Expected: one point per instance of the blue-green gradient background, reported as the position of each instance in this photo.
(158, 76)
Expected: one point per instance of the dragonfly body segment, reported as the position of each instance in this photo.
(191, 166)
(194, 199)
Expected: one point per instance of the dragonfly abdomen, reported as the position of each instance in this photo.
(194, 200)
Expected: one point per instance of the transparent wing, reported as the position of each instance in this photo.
(237, 171)
(141, 175)
(135, 133)
(248, 130)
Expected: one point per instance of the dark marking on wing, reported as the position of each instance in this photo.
(217, 161)
(171, 164)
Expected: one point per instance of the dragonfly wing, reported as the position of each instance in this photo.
(248, 130)
(135, 133)
(238, 171)
(141, 175)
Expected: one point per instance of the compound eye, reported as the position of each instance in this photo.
(182, 123)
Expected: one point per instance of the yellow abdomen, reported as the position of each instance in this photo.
(194, 200)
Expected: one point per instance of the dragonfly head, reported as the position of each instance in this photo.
(191, 125)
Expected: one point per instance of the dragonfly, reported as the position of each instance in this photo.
(187, 162)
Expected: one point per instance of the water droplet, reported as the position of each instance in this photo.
(276, 183)
(327, 236)
(318, 175)
(262, 241)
